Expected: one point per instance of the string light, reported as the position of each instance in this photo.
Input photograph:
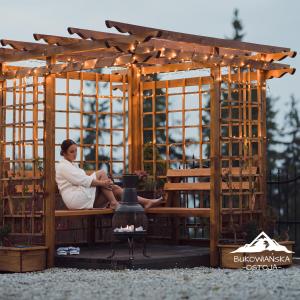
(132, 48)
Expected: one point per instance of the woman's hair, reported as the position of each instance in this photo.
(65, 145)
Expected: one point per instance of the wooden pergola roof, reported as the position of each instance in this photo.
(147, 47)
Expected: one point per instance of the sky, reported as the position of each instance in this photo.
(271, 22)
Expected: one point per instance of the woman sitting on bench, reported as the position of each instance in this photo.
(78, 190)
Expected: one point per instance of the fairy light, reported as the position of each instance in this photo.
(132, 48)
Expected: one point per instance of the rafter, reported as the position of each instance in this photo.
(99, 35)
(23, 46)
(191, 38)
(55, 40)
(84, 65)
(52, 50)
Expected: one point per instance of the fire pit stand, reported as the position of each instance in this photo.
(129, 223)
(131, 243)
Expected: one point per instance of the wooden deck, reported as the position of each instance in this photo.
(161, 256)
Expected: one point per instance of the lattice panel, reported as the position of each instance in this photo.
(22, 175)
(242, 147)
(176, 116)
(91, 109)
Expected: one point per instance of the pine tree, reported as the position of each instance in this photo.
(273, 132)
(273, 135)
(89, 121)
(291, 132)
(289, 192)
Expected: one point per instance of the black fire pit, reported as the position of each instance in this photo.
(130, 222)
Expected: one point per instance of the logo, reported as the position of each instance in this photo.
(262, 253)
(262, 243)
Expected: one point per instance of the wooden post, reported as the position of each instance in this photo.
(261, 80)
(215, 166)
(134, 119)
(2, 155)
(49, 163)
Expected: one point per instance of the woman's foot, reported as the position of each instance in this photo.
(114, 205)
(154, 202)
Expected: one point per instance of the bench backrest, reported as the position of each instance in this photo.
(206, 172)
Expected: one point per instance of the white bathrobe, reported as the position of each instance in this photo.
(75, 185)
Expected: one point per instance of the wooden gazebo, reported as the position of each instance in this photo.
(176, 105)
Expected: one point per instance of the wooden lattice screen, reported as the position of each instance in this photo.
(23, 147)
(176, 134)
(243, 140)
(89, 108)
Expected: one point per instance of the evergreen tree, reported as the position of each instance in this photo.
(273, 135)
(237, 26)
(291, 134)
(160, 121)
(288, 193)
(89, 121)
(273, 132)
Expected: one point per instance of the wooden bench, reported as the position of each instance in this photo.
(181, 211)
(232, 179)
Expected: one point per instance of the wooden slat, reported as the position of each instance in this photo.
(55, 50)
(23, 249)
(83, 212)
(238, 211)
(206, 172)
(157, 43)
(55, 40)
(20, 45)
(116, 60)
(195, 65)
(191, 38)
(199, 212)
(204, 186)
(194, 81)
(279, 73)
(111, 37)
(203, 212)
(199, 172)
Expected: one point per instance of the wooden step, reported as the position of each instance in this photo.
(204, 186)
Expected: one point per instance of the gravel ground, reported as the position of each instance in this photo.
(197, 283)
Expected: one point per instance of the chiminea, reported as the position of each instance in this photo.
(130, 221)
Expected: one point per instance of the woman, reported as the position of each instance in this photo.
(78, 190)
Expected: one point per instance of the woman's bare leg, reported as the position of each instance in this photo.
(147, 203)
(101, 175)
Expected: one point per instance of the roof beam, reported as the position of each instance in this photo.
(196, 65)
(191, 38)
(99, 35)
(23, 46)
(55, 40)
(79, 66)
(51, 50)
(159, 44)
